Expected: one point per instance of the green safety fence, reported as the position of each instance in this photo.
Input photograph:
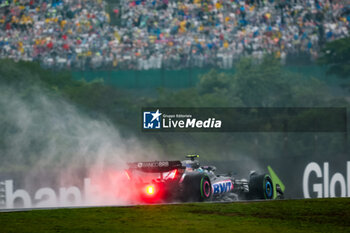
(177, 79)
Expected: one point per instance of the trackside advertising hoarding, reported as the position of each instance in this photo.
(302, 178)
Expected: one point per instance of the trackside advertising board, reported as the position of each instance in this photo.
(302, 177)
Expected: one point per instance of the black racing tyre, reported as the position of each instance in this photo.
(261, 187)
(196, 187)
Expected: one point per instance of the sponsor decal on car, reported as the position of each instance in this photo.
(222, 187)
(153, 164)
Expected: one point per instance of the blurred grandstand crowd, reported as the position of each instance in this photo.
(153, 34)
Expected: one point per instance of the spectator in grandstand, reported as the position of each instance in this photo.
(157, 34)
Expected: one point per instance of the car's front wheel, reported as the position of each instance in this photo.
(261, 187)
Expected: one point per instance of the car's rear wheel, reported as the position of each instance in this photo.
(196, 187)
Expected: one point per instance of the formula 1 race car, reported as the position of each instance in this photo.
(169, 181)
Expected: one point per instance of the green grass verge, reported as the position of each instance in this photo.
(318, 215)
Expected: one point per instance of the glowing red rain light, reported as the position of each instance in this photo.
(150, 189)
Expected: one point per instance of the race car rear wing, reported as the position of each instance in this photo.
(156, 166)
